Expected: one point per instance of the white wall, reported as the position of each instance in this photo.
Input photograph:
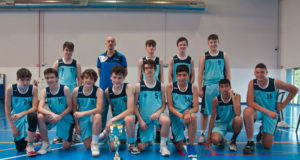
(290, 24)
(247, 30)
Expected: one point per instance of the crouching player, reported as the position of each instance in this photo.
(87, 107)
(225, 116)
(59, 114)
(20, 105)
(183, 105)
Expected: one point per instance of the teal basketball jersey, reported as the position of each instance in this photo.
(182, 100)
(178, 62)
(119, 102)
(67, 73)
(86, 102)
(149, 100)
(58, 103)
(214, 68)
(266, 97)
(21, 102)
(225, 110)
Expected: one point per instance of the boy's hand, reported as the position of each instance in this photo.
(78, 114)
(273, 115)
(78, 129)
(154, 116)
(15, 117)
(201, 94)
(15, 132)
(143, 125)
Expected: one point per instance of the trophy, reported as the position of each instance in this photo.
(116, 130)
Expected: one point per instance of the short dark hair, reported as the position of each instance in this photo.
(261, 65)
(23, 73)
(118, 70)
(180, 39)
(150, 42)
(182, 68)
(224, 81)
(89, 73)
(68, 45)
(150, 62)
(213, 37)
(50, 71)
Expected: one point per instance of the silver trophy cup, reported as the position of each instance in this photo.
(116, 130)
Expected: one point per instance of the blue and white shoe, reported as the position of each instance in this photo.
(191, 151)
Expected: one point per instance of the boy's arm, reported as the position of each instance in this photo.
(55, 65)
(254, 105)
(78, 76)
(161, 68)
(142, 123)
(170, 70)
(195, 108)
(293, 90)
(236, 99)
(74, 108)
(140, 75)
(170, 101)
(200, 74)
(227, 66)
(42, 102)
(212, 120)
(8, 95)
(192, 71)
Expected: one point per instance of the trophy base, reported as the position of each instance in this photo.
(117, 158)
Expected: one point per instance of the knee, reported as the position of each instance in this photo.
(267, 145)
(247, 112)
(238, 120)
(66, 145)
(179, 145)
(141, 146)
(215, 140)
(40, 116)
(194, 117)
(129, 120)
(165, 120)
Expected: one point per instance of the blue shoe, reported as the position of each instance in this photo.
(191, 151)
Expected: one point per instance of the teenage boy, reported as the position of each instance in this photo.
(58, 97)
(262, 105)
(213, 66)
(87, 107)
(225, 116)
(183, 105)
(21, 102)
(150, 94)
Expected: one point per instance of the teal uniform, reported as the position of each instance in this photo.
(86, 103)
(224, 116)
(58, 104)
(157, 73)
(182, 100)
(149, 102)
(267, 98)
(67, 73)
(177, 62)
(119, 105)
(21, 102)
(214, 71)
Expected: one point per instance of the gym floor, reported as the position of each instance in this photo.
(286, 145)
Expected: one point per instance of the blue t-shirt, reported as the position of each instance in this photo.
(106, 63)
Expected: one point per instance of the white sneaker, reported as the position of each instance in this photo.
(30, 150)
(133, 149)
(201, 138)
(45, 148)
(164, 150)
(95, 150)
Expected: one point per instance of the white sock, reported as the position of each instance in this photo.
(202, 132)
(102, 134)
(95, 139)
(163, 140)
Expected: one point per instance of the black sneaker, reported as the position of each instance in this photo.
(249, 148)
(259, 135)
